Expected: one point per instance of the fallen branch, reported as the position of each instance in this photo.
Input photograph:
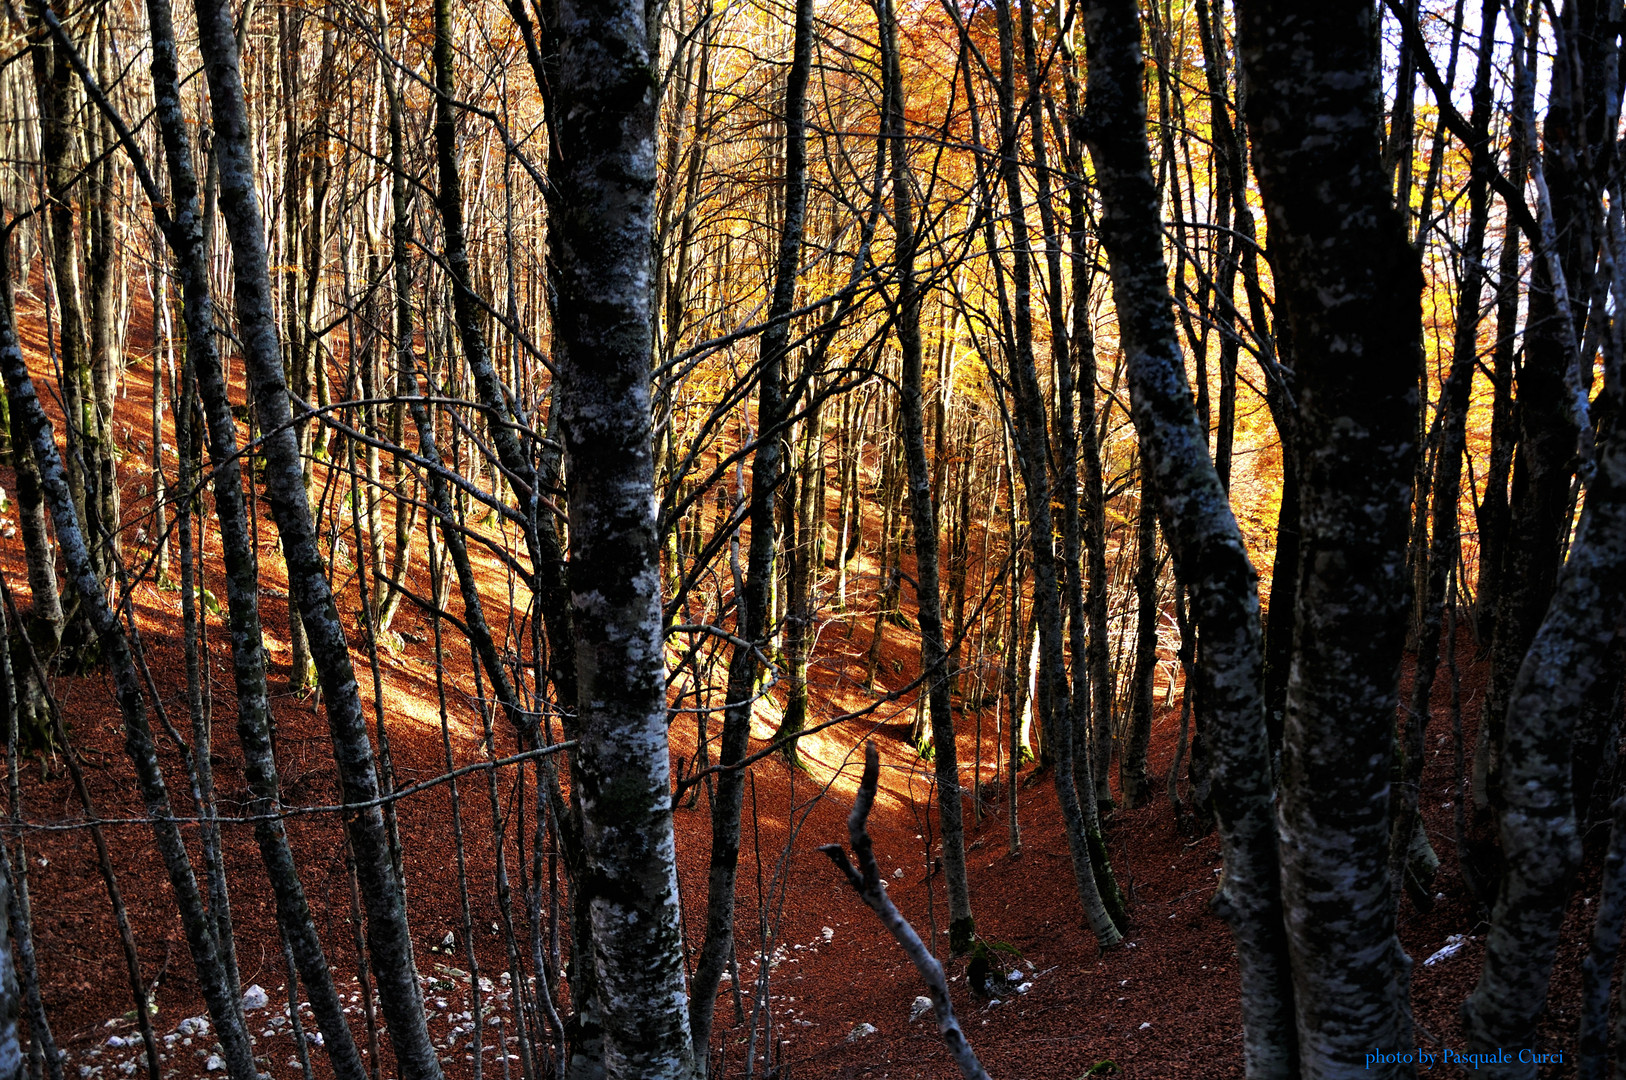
(866, 881)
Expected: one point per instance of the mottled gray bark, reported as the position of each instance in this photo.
(29, 418)
(20, 920)
(186, 236)
(1598, 969)
(922, 511)
(1348, 289)
(1202, 533)
(1542, 849)
(11, 1051)
(603, 345)
(388, 937)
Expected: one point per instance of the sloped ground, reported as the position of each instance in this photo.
(1163, 1005)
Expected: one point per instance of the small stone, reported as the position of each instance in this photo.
(829, 934)
(921, 1007)
(215, 1063)
(1146, 1026)
(115, 1041)
(862, 1031)
(898, 873)
(255, 997)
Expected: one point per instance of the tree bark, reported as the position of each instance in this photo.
(607, 118)
(388, 936)
(237, 552)
(1348, 285)
(1202, 533)
(214, 981)
(922, 511)
(1540, 841)
(1031, 436)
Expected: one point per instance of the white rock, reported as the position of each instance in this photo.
(862, 1031)
(315, 1038)
(255, 997)
(215, 1063)
(1146, 1026)
(115, 1041)
(829, 934)
(898, 873)
(128, 1068)
(921, 1007)
(194, 1025)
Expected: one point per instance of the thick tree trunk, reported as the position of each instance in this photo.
(1208, 547)
(607, 117)
(388, 936)
(1540, 841)
(1348, 283)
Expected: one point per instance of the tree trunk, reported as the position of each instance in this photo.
(755, 604)
(214, 982)
(1132, 768)
(922, 511)
(1445, 541)
(1540, 841)
(238, 554)
(1032, 441)
(1208, 547)
(1348, 282)
(388, 936)
(607, 123)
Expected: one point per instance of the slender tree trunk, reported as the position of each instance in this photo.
(389, 939)
(1444, 542)
(1033, 456)
(1132, 769)
(214, 981)
(922, 511)
(1208, 547)
(237, 550)
(755, 606)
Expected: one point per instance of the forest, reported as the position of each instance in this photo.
(737, 538)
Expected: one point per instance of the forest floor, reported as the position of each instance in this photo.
(1164, 1004)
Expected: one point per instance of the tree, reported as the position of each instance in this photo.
(606, 205)
(1348, 291)
(1210, 555)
